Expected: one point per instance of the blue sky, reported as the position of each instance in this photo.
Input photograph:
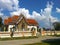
(37, 5)
(40, 10)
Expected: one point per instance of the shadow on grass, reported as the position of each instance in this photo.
(55, 35)
(38, 44)
(52, 41)
(17, 38)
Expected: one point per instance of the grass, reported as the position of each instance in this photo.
(38, 44)
(17, 38)
(55, 35)
(47, 42)
(44, 44)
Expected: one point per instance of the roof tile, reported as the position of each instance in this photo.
(14, 18)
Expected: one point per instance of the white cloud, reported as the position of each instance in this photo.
(47, 13)
(44, 15)
(1, 14)
(53, 19)
(23, 11)
(58, 10)
(5, 17)
(37, 16)
(9, 4)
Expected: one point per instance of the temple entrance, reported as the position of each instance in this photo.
(33, 31)
(23, 26)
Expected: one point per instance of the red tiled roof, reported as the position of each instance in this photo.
(14, 18)
(10, 19)
(31, 21)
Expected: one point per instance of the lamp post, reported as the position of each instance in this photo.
(50, 22)
(50, 25)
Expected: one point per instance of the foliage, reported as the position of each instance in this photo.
(1, 22)
(44, 28)
(57, 25)
(1, 25)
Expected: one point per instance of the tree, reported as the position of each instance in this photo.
(57, 25)
(44, 28)
(1, 24)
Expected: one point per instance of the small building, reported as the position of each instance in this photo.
(20, 24)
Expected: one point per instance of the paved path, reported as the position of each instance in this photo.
(25, 41)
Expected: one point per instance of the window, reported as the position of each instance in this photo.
(32, 29)
(28, 29)
(14, 28)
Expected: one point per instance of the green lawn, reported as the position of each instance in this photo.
(48, 42)
(17, 38)
(44, 44)
(57, 35)
(38, 44)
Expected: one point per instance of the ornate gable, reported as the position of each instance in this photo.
(17, 19)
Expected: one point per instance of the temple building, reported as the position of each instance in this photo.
(20, 24)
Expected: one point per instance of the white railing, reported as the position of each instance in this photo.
(16, 34)
(50, 32)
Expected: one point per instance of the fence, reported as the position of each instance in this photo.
(16, 34)
(50, 33)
